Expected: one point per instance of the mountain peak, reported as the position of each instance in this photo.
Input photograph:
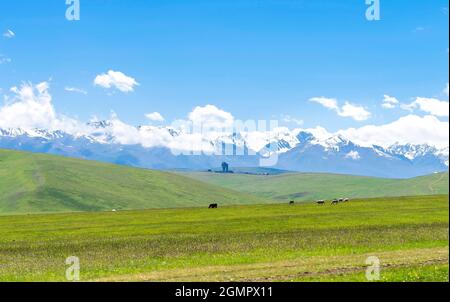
(298, 150)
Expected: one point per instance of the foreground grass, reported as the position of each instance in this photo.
(255, 243)
(411, 273)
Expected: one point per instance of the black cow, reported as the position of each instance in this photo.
(335, 202)
(321, 202)
(291, 202)
(213, 206)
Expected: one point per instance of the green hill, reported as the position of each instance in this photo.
(309, 186)
(34, 183)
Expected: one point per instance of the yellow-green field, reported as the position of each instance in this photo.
(304, 242)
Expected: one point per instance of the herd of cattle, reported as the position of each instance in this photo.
(320, 202)
(334, 201)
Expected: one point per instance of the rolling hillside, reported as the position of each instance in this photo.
(310, 186)
(34, 183)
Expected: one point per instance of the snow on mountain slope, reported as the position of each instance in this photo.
(308, 150)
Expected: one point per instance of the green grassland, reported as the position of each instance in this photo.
(303, 242)
(39, 183)
(34, 183)
(313, 186)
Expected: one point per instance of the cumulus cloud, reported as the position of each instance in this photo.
(356, 112)
(31, 107)
(430, 105)
(76, 90)
(411, 129)
(116, 79)
(326, 102)
(182, 135)
(210, 116)
(155, 117)
(389, 102)
(9, 34)
(124, 133)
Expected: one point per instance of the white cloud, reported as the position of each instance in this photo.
(446, 90)
(155, 117)
(319, 132)
(4, 60)
(210, 116)
(124, 133)
(116, 79)
(353, 155)
(76, 90)
(292, 120)
(389, 102)
(431, 106)
(326, 102)
(9, 34)
(411, 129)
(31, 107)
(356, 112)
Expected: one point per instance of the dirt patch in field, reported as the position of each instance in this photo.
(307, 267)
(342, 271)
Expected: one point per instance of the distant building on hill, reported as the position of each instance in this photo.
(225, 167)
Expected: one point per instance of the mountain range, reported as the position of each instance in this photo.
(170, 148)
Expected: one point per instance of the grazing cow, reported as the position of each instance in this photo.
(341, 199)
(213, 206)
(346, 199)
(335, 202)
(321, 202)
(292, 202)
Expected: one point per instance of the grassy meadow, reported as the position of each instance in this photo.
(279, 242)
(313, 186)
(41, 183)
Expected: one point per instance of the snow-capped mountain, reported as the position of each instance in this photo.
(171, 148)
(340, 155)
(413, 151)
(37, 133)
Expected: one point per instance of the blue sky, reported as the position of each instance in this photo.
(256, 59)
